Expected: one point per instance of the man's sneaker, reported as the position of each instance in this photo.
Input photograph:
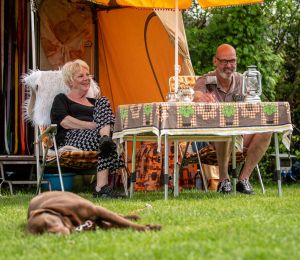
(245, 187)
(107, 192)
(224, 186)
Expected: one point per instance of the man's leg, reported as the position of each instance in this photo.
(256, 145)
(223, 151)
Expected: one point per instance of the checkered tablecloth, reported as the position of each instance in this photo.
(193, 118)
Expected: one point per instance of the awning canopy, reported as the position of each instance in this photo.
(171, 4)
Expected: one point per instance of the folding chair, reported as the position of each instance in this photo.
(42, 87)
(206, 155)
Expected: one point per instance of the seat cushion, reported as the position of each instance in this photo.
(75, 159)
(208, 156)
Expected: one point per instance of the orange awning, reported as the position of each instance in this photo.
(170, 4)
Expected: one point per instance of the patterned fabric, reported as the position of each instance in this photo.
(150, 169)
(208, 156)
(225, 119)
(88, 140)
(65, 28)
(75, 159)
(183, 82)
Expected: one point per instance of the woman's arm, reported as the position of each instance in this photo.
(70, 122)
(60, 115)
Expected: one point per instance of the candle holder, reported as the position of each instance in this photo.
(171, 97)
(186, 94)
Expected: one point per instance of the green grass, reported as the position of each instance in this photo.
(195, 226)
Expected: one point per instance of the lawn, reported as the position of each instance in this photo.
(195, 226)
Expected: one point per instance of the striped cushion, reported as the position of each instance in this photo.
(208, 156)
(75, 159)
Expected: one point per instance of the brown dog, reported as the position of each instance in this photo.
(64, 212)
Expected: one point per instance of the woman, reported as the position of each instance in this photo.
(86, 123)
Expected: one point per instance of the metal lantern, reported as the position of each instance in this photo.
(252, 84)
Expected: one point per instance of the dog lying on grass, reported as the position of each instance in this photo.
(65, 212)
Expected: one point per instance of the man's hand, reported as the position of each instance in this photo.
(200, 96)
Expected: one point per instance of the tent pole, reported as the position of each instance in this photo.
(176, 46)
(34, 67)
(96, 45)
(32, 11)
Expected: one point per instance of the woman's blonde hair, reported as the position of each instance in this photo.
(72, 67)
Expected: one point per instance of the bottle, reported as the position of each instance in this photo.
(198, 180)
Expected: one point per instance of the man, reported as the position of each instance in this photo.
(225, 85)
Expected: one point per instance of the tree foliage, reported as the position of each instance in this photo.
(284, 27)
(267, 36)
(245, 28)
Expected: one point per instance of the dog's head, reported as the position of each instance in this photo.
(48, 221)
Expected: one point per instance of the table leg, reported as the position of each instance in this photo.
(234, 171)
(166, 174)
(133, 173)
(201, 169)
(123, 170)
(176, 170)
(260, 180)
(278, 164)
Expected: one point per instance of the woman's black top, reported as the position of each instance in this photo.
(62, 106)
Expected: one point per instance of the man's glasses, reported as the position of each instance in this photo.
(225, 62)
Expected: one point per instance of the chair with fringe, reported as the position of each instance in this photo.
(206, 155)
(42, 87)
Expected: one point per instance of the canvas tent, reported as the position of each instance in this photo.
(132, 51)
(133, 48)
(22, 49)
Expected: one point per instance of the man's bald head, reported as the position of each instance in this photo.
(225, 50)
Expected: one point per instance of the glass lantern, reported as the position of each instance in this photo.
(252, 84)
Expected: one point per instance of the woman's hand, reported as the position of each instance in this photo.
(92, 125)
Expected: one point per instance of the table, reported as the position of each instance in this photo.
(193, 121)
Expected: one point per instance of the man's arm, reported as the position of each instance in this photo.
(200, 96)
(201, 92)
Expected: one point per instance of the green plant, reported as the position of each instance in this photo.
(147, 109)
(123, 113)
(270, 109)
(186, 111)
(228, 110)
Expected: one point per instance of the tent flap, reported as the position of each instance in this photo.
(135, 60)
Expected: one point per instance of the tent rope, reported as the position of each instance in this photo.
(148, 55)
